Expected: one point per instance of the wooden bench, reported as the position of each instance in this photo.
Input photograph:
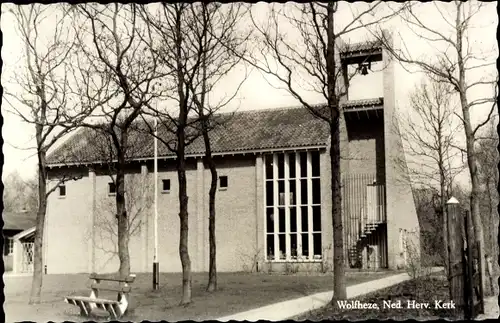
(92, 305)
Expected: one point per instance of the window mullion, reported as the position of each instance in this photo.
(287, 210)
(309, 206)
(264, 188)
(298, 203)
(275, 207)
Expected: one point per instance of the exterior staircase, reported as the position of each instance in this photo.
(355, 250)
(365, 227)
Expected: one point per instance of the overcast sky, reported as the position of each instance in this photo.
(256, 93)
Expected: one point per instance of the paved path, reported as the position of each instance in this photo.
(287, 309)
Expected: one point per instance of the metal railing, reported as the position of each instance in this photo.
(363, 206)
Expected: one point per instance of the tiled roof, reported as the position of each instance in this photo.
(18, 220)
(241, 131)
(362, 47)
(363, 102)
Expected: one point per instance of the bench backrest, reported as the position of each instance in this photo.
(118, 289)
(122, 288)
(128, 279)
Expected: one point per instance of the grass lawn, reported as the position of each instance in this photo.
(237, 292)
(422, 290)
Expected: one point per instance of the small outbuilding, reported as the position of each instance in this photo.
(24, 251)
(16, 224)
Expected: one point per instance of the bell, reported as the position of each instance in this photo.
(364, 67)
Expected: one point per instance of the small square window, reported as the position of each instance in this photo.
(223, 181)
(62, 190)
(111, 188)
(165, 185)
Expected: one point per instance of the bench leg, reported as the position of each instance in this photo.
(122, 306)
(84, 311)
(93, 294)
(111, 310)
(83, 308)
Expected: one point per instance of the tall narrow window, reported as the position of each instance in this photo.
(269, 166)
(269, 193)
(292, 192)
(281, 166)
(270, 221)
(281, 190)
(303, 164)
(315, 163)
(62, 190)
(293, 206)
(291, 165)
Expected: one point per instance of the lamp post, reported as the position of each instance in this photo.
(156, 265)
(456, 262)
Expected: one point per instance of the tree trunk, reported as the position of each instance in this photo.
(475, 191)
(455, 278)
(444, 214)
(489, 219)
(212, 271)
(36, 284)
(470, 140)
(339, 286)
(183, 216)
(121, 211)
(478, 223)
(490, 240)
(181, 162)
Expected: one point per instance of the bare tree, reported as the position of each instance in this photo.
(428, 206)
(138, 194)
(44, 100)
(180, 55)
(455, 61)
(191, 41)
(487, 157)
(304, 59)
(31, 194)
(215, 28)
(138, 197)
(20, 194)
(429, 132)
(118, 76)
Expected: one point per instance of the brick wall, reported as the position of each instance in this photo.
(105, 228)
(236, 209)
(168, 218)
(326, 206)
(66, 238)
(366, 147)
(239, 222)
(73, 247)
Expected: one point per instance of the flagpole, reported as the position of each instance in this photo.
(156, 267)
